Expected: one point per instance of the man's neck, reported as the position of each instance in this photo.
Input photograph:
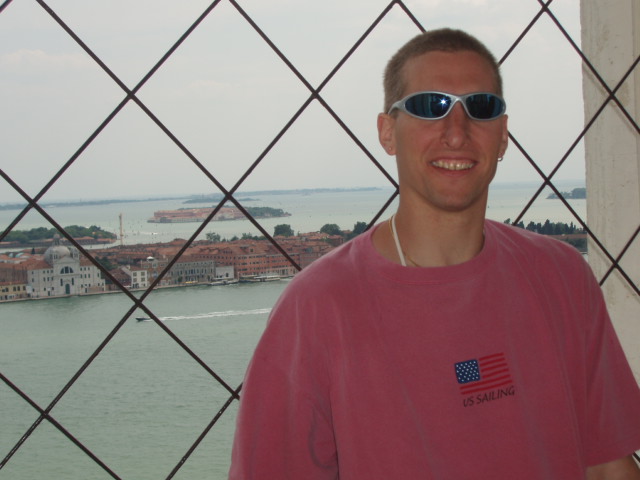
(431, 239)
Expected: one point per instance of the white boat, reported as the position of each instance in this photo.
(230, 281)
(260, 278)
(268, 278)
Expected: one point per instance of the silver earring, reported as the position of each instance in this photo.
(500, 159)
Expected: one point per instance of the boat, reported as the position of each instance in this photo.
(267, 278)
(142, 319)
(224, 282)
(259, 278)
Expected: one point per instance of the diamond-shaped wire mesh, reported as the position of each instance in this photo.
(269, 110)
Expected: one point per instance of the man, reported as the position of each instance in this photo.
(440, 345)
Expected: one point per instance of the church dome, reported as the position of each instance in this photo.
(56, 251)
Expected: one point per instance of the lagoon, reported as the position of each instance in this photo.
(143, 402)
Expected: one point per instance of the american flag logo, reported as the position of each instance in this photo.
(484, 373)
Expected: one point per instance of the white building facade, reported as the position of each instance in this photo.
(63, 272)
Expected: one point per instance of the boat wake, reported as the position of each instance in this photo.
(228, 313)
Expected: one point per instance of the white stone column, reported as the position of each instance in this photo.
(611, 41)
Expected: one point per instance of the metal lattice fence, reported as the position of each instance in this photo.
(271, 119)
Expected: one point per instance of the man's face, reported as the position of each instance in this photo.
(445, 164)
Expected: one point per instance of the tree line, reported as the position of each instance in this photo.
(285, 230)
(44, 234)
(549, 227)
(556, 228)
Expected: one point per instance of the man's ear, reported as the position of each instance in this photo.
(386, 133)
(505, 136)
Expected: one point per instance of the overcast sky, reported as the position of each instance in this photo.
(225, 94)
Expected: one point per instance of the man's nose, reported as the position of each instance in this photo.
(455, 126)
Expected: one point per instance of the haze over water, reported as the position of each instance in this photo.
(309, 212)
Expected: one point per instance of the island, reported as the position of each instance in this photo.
(42, 236)
(183, 215)
(576, 193)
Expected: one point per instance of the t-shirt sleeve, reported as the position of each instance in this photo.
(284, 426)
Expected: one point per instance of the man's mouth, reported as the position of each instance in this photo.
(454, 165)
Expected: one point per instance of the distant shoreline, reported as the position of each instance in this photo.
(201, 198)
(244, 195)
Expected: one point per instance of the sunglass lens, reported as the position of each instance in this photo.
(484, 106)
(428, 105)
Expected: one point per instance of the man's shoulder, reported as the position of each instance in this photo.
(533, 246)
(328, 282)
(340, 264)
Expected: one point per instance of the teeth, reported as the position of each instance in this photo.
(452, 165)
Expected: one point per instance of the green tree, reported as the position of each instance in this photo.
(18, 236)
(579, 243)
(265, 212)
(283, 230)
(213, 237)
(106, 263)
(42, 233)
(358, 228)
(331, 229)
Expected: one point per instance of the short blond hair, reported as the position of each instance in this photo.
(444, 40)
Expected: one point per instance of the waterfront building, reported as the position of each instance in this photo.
(252, 258)
(308, 247)
(12, 270)
(13, 276)
(193, 268)
(154, 265)
(225, 272)
(61, 271)
(137, 277)
(13, 291)
(121, 277)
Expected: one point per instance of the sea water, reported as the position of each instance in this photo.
(144, 400)
(309, 211)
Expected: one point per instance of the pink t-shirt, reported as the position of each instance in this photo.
(506, 366)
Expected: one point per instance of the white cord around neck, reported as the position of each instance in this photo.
(397, 240)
